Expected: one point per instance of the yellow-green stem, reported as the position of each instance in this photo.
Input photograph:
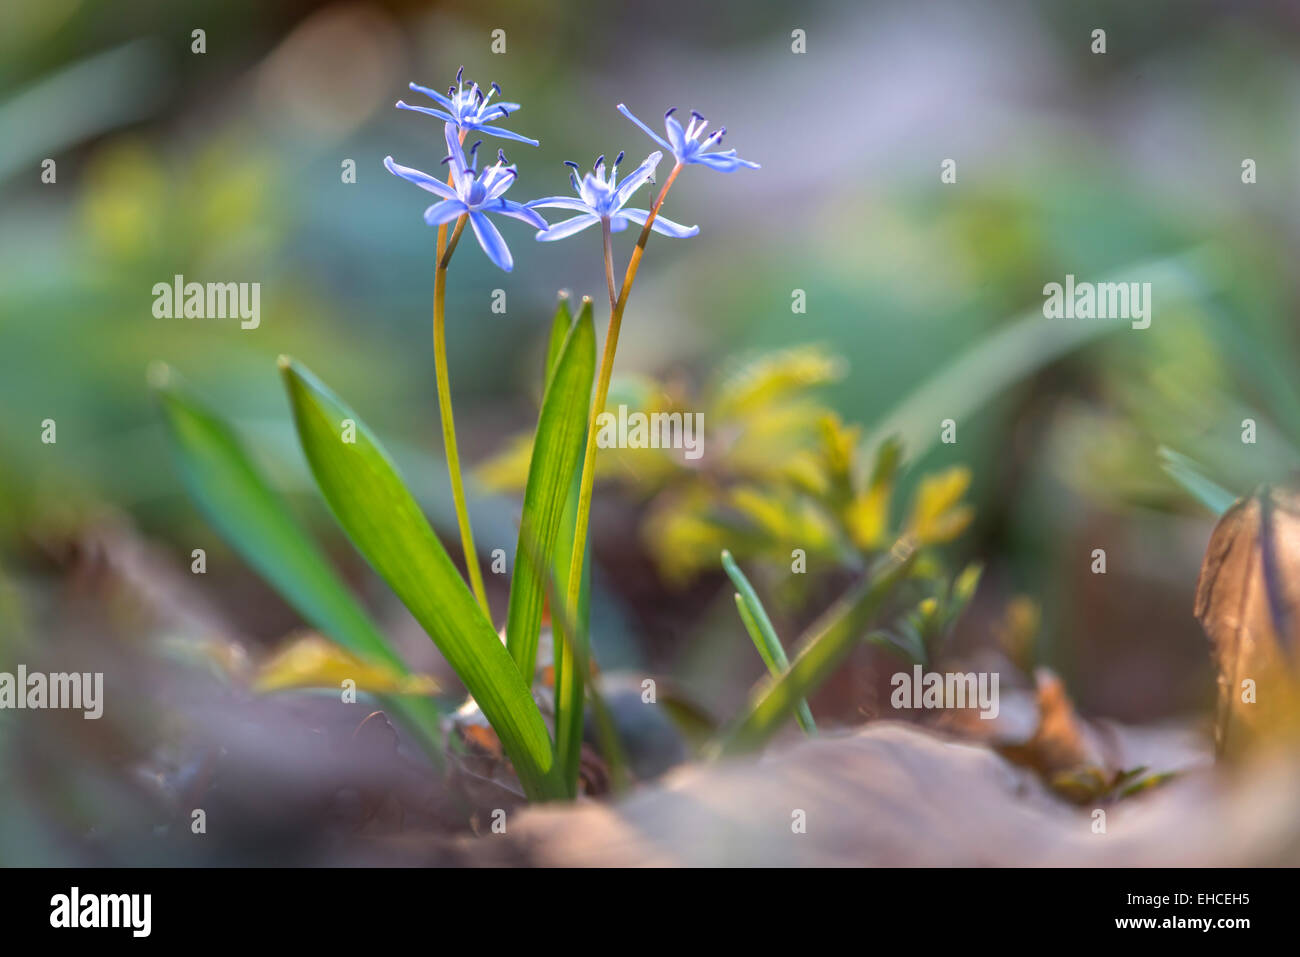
(565, 728)
(444, 411)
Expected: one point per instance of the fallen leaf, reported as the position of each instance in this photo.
(312, 661)
(1248, 601)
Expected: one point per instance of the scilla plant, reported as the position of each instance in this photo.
(381, 517)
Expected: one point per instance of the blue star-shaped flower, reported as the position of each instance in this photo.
(688, 147)
(474, 194)
(603, 197)
(468, 109)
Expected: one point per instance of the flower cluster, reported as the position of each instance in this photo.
(473, 194)
(468, 110)
(601, 198)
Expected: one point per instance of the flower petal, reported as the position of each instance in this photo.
(445, 117)
(444, 212)
(498, 181)
(632, 182)
(649, 132)
(491, 240)
(457, 153)
(561, 202)
(661, 224)
(423, 180)
(565, 229)
(434, 95)
(508, 207)
(725, 162)
(505, 134)
(676, 135)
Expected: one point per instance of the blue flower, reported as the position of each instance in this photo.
(468, 109)
(686, 145)
(474, 194)
(602, 197)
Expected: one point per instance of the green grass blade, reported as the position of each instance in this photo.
(557, 447)
(1188, 474)
(829, 639)
(802, 713)
(764, 636)
(257, 522)
(382, 519)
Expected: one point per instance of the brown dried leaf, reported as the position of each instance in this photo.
(312, 661)
(1061, 742)
(1248, 601)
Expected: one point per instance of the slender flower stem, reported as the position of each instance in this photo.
(445, 257)
(445, 249)
(609, 264)
(442, 258)
(567, 728)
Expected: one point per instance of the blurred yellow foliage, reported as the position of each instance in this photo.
(135, 203)
(867, 517)
(126, 187)
(1017, 632)
(781, 472)
(770, 378)
(938, 514)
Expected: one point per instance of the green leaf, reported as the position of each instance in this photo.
(258, 524)
(577, 652)
(557, 448)
(560, 327)
(570, 655)
(759, 625)
(1029, 343)
(829, 640)
(1188, 474)
(382, 519)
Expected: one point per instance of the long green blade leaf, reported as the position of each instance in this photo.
(557, 446)
(1021, 348)
(759, 625)
(571, 648)
(830, 639)
(577, 651)
(560, 326)
(258, 524)
(381, 517)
